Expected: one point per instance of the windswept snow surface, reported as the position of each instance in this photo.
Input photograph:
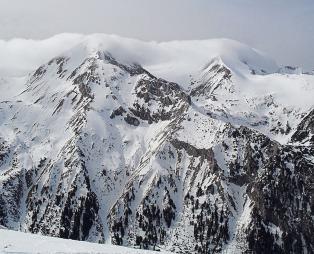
(18, 242)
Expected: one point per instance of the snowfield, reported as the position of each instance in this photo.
(18, 242)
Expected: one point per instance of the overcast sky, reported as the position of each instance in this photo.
(283, 29)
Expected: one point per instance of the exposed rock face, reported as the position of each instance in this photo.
(305, 130)
(102, 149)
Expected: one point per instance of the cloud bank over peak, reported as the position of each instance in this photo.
(282, 28)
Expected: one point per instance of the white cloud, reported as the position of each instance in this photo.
(281, 28)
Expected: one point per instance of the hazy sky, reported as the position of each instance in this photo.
(283, 29)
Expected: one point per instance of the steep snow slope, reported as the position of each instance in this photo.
(18, 242)
(99, 144)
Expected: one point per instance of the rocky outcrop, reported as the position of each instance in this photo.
(305, 130)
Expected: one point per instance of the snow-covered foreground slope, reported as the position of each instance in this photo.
(194, 146)
(18, 242)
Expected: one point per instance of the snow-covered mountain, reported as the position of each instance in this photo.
(193, 146)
